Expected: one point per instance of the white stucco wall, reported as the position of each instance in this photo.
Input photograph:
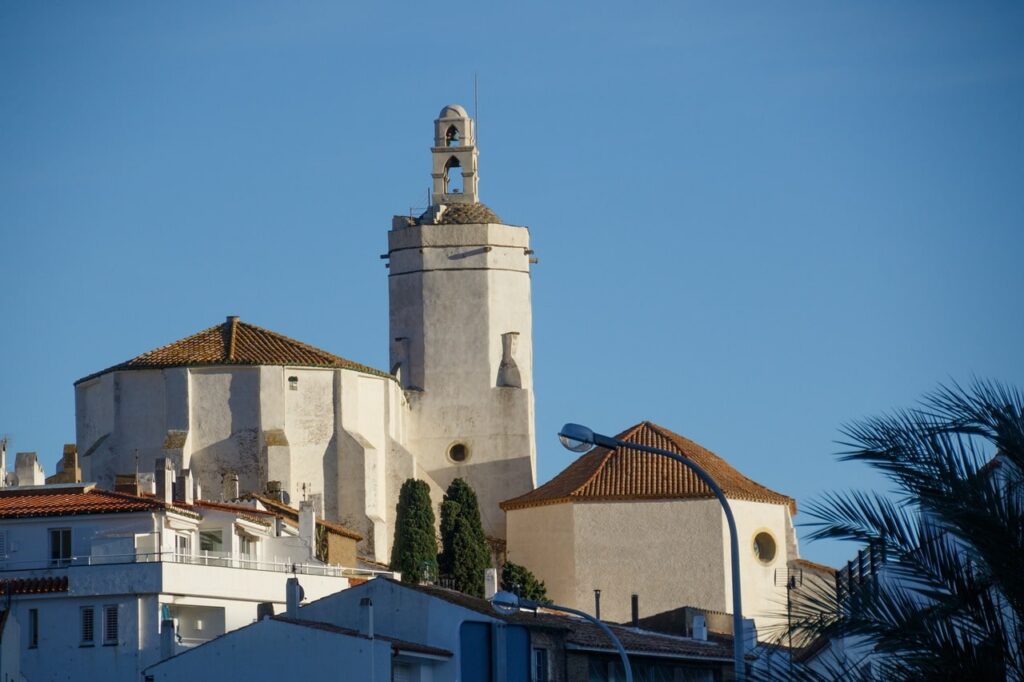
(338, 432)
(454, 290)
(667, 552)
(671, 553)
(762, 599)
(543, 540)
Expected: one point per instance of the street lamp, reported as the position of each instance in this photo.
(579, 438)
(507, 603)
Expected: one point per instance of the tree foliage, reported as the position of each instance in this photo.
(520, 581)
(464, 554)
(414, 551)
(948, 602)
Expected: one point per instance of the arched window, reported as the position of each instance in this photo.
(451, 137)
(452, 176)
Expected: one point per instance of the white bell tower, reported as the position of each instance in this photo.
(455, 158)
(461, 331)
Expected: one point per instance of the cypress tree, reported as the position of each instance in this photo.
(414, 551)
(464, 553)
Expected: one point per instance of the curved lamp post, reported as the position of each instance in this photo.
(579, 438)
(507, 603)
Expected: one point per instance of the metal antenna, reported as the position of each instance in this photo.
(792, 578)
(476, 111)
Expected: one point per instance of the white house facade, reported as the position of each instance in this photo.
(93, 572)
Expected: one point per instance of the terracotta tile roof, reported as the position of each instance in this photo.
(34, 585)
(236, 343)
(18, 503)
(618, 475)
(453, 214)
(292, 514)
(258, 516)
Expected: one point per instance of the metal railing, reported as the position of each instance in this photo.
(205, 558)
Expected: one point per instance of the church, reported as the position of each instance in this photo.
(243, 407)
(457, 400)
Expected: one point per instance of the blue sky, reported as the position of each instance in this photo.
(753, 225)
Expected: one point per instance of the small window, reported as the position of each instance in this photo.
(182, 548)
(540, 665)
(110, 625)
(211, 540)
(247, 547)
(458, 453)
(33, 628)
(88, 617)
(293, 383)
(764, 547)
(60, 546)
(3, 543)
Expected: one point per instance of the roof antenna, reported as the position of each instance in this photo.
(476, 112)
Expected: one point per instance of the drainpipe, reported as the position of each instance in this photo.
(367, 603)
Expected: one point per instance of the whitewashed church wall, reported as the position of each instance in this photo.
(309, 426)
(667, 552)
(543, 540)
(762, 599)
(226, 430)
(140, 408)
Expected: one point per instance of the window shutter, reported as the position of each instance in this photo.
(110, 624)
(88, 625)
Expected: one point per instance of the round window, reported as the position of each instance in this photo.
(458, 453)
(764, 547)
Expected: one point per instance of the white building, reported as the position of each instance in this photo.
(629, 523)
(457, 400)
(92, 573)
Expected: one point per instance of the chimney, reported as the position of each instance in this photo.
(293, 597)
(636, 610)
(3, 461)
(367, 603)
(597, 604)
(183, 490)
(700, 627)
(307, 526)
(167, 639)
(490, 583)
(126, 483)
(231, 486)
(28, 469)
(70, 460)
(265, 609)
(197, 490)
(274, 491)
(164, 475)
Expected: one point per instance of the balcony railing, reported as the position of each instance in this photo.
(204, 558)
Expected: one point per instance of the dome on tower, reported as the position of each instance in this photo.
(453, 111)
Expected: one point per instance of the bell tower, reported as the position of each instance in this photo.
(455, 157)
(461, 331)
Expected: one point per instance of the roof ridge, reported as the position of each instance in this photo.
(232, 327)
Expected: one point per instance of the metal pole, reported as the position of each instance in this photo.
(734, 546)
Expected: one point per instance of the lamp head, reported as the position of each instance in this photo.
(576, 437)
(505, 603)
